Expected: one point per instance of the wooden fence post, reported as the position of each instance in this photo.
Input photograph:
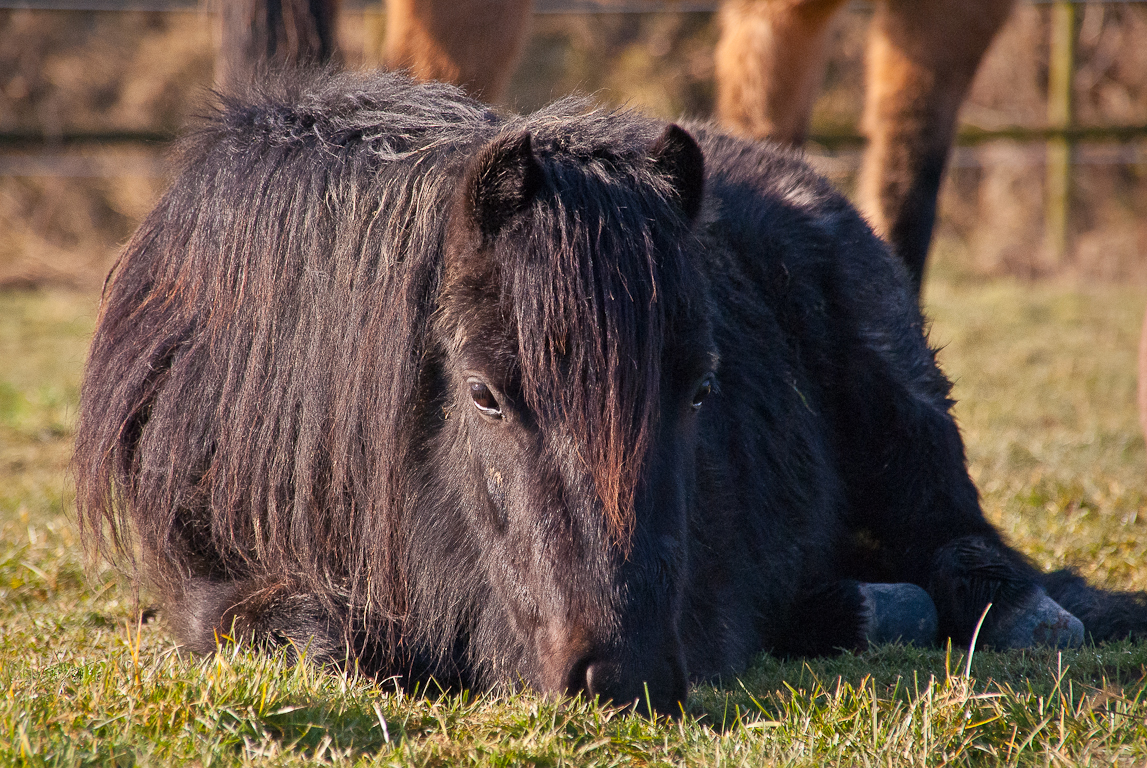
(1061, 67)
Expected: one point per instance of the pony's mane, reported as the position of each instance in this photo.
(253, 385)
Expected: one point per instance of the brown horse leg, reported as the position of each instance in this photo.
(922, 56)
(472, 43)
(262, 34)
(770, 63)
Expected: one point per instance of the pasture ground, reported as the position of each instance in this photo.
(1045, 373)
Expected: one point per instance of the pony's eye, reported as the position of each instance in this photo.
(704, 389)
(484, 399)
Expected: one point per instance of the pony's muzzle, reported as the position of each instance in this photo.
(652, 688)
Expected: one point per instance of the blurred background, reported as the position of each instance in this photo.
(1049, 178)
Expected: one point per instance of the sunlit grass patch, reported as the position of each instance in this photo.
(1045, 375)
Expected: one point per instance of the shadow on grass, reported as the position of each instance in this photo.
(321, 729)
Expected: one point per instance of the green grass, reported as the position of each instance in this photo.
(1046, 377)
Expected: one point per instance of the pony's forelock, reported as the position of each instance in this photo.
(590, 294)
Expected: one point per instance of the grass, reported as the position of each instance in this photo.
(1045, 374)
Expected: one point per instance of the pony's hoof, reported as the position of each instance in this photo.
(1039, 621)
(899, 613)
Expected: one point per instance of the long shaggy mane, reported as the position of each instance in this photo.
(256, 394)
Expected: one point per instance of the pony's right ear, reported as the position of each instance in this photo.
(500, 182)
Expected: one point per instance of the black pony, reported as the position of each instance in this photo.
(573, 399)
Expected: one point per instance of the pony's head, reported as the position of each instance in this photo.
(576, 358)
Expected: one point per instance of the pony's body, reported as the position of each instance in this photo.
(564, 399)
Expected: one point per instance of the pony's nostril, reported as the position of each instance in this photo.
(579, 676)
(600, 681)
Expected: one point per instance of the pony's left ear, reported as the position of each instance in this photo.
(676, 155)
(500, 182)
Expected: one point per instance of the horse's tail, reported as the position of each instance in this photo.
(1106, 614)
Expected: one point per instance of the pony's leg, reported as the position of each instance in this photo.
(964, 566)
(922, 56)
(913, 514)
(471, 43)
(268, 614)
(915, 507)
(976, 571)
(899, 613)
(770, 64)
(851, 615)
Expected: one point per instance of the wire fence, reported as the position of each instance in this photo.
(833, 143)
(1059, 127)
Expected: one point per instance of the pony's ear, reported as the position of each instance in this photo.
(500, 182)
(676, 155)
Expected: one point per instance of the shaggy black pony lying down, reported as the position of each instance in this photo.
(576, 399)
